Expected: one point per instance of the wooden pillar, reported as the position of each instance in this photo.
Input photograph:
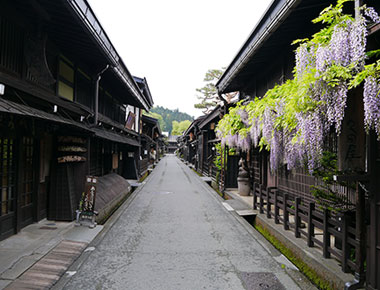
(310, 232)
(261, 199)
(286, 213)
(276, 221)
(326, 234)
(297, 222)
(360, 233)
(254, 196)
(269, 190)
(346, 220)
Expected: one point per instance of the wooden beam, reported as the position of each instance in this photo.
(374, 29)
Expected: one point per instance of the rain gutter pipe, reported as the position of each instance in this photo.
(98, 78)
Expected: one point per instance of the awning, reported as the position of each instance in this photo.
(108, 135)
(10, 107)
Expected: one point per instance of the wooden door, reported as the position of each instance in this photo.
(232, 171)
(7, 187)
(26, 183)
(44, 176)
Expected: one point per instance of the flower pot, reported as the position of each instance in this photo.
(243, 186)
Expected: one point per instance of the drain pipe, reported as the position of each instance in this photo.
(98, 77)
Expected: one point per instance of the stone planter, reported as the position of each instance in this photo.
(243, 186)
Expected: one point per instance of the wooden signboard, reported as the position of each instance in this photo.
(115, 161)
(88, 204)
(130, 120)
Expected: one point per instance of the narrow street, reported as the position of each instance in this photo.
(176, 234)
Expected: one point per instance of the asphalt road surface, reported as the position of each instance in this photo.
(176, 234)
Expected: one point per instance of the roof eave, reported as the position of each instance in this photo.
(272, 18)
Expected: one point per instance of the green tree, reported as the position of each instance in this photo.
(208, 93)
(169, 116)
(159, 118)
(180, 127)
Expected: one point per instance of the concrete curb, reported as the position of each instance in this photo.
(328, 269)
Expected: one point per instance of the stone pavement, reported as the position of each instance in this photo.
(40, 253)
(176, 233)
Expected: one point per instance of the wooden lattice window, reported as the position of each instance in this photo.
(27, 172)
(11, 46)
(7, 176)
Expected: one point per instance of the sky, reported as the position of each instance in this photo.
(173, 43)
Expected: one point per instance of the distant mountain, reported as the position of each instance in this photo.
(169, 116)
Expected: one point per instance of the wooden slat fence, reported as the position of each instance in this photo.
(318, 227)
(143, 165)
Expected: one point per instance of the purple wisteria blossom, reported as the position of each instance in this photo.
(340, 45)
(268, 124)
(371, 104)
(244, 143)
(294, 152)
(372, 14)
(312, 132)
(232, 140)
(358, 41)
(276, 150)
(255, 131)
(304, 58)
(244, 117)
(323, 58)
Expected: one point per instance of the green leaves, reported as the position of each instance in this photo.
(369, 70)
(208, 93)
(325, 68)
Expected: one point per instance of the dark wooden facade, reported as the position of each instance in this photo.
(63, 112)
(268, 60)
(198, 145)
(151, 139)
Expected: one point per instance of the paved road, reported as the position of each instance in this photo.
(176, 234)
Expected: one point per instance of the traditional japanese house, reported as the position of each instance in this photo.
(267, 59)
(64, 96)
(172, 143)
(208, 145)
(189, 143)
(151, 139)
(146, 133)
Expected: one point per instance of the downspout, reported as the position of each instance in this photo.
(98, 77)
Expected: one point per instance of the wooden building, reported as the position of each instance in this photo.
(267, 59)
(199, 146)
(188, 143)
(66, 92)
(172, 144)
(151, 139)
